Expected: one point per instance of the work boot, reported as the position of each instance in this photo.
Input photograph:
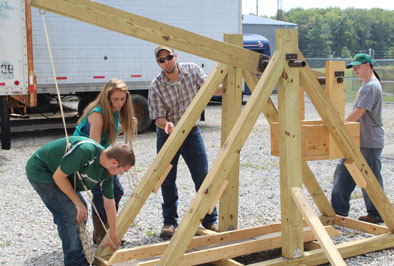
(98, 230)
(371, 219)
(167, 232)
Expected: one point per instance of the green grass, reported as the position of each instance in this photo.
(150, 233)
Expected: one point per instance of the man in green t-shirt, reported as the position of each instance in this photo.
(51, 171)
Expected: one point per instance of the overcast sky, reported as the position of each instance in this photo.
(269, 7)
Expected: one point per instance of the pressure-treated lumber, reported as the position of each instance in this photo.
(347, 146)
(348, 249)
(140, 252)
(224, 161)
(231, 109)
(355, 173)
(162, 178)
(231, 250)
(149, 30)
(218, 196)
(290, 147)
(358, 225)
(318, 229)
(336, 93)
(270, 112)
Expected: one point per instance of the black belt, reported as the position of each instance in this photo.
(194, 128)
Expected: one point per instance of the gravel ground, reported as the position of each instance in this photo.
(29, 237)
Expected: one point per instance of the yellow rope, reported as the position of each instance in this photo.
(42, 12)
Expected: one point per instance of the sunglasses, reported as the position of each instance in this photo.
(163, 59)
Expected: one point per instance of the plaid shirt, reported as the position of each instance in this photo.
(169, 99)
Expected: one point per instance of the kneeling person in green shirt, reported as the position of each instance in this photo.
(51, 171)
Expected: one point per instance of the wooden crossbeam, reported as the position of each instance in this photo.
(347, 146)
(162, 178)
(355, 173)
(317, 227)
(224, 161)
(348, 249)
(217, 197)
(365, 227)
(231, 250)
(149, 30)
(141, 252)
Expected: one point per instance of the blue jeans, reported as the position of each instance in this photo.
(195, 156)
(344, 183)
(98, 198)
(65, 217)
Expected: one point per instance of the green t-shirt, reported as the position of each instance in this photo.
(83, 156)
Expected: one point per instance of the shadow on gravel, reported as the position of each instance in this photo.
(3, 159)
(56, 132)
(55, 258)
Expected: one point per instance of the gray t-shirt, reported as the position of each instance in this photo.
(369, 97)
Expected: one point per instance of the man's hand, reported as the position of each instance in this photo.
(82, 212)
(169, 127)
(113, 242)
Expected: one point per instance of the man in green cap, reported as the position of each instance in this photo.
(368, 111)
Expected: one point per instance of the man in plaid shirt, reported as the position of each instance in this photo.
(171, 92)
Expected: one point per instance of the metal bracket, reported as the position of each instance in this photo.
(291, 57)
(263, 62)
(339, 75)
(293, 61)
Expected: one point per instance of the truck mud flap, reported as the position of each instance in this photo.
(5, 123)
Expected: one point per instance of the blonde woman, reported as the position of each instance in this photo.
(101, 120)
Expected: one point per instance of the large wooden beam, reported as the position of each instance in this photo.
(167, 152)
(358, 225)
(235, 249)
(147, 251)
(347, 146)
(231, 109)
(289, 147)
(149, 30)
(317, 227)
(348, 249)
(224, 162)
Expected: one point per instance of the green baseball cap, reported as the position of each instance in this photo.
(360, 59)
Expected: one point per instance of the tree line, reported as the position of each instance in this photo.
(335, 32)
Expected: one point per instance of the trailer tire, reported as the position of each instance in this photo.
(5, 123)
(43, 104)
(141, 112)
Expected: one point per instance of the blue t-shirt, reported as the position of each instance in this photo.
(83, 129)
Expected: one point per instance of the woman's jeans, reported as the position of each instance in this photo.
(65, 217)
(98, 198)
(344, 183)
(195, 156)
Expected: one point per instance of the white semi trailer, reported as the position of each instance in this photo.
(86, 56)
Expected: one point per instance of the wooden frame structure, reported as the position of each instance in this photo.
(235, 62)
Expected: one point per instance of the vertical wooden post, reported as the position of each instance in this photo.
(231, 109)
(336, 93)
(290, 147)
